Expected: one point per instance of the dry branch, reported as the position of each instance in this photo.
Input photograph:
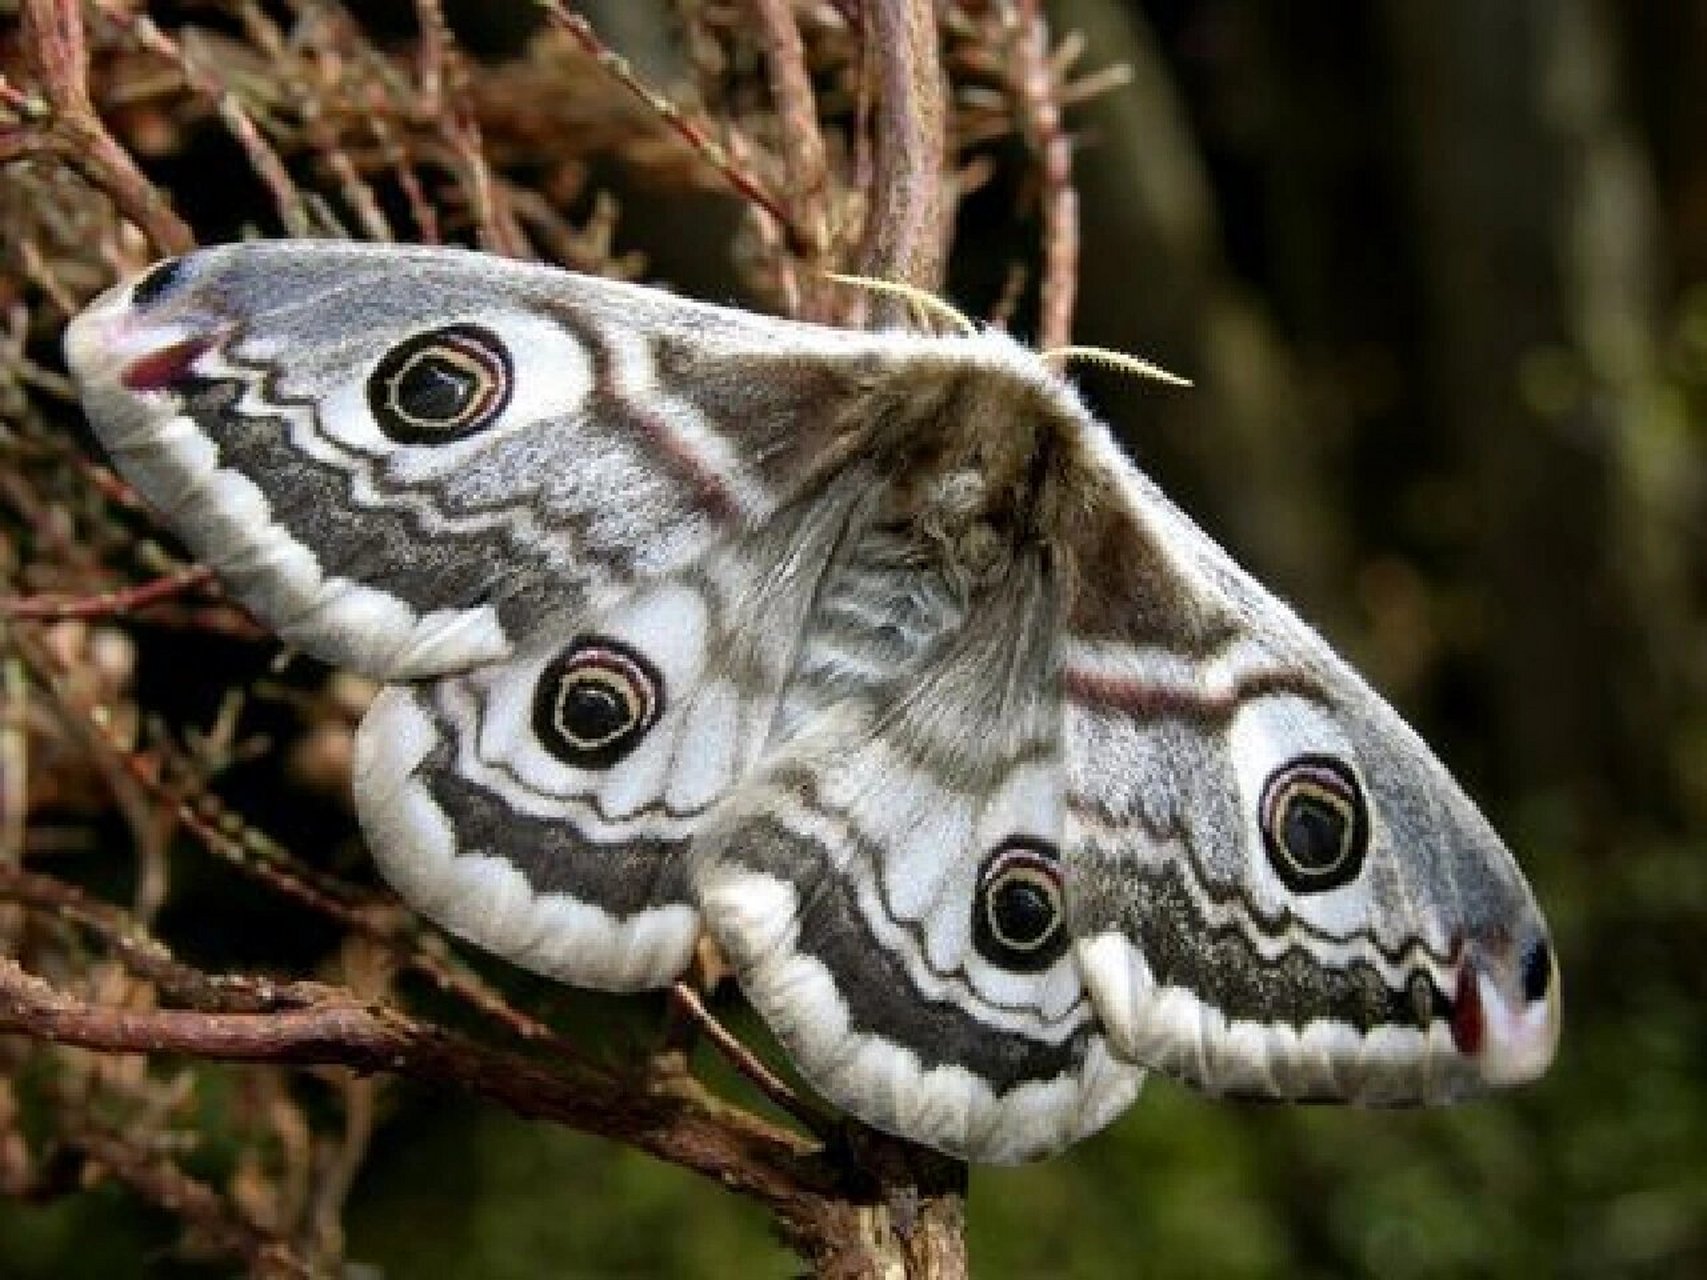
(907, 226)
(57, 57)
(216, 1225)
(1039, 99)
(822, 1204)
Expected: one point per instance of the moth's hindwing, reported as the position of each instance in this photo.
(545, 806)
(891, 884)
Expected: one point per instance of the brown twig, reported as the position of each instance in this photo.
(256, 855)
(30, 256)
(204, 80)
(358, 194)
(216, 1223)
(445, 86)
(902, 1208)
(109, 604)
(1037, 93)
(745, 1061)
(676, 1120)
(802, 141)
(57, 56)
(14, 759)
(140, 953)
(694, 132)
(907, 222)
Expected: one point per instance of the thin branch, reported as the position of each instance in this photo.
(402, 166)
(358, 194)
(109, 604)
(42, 274)
(802, 140)
(57, 55)
(445, 86)
(907, 224)
(694, 132)
(745, 1061)
(14, 759)
(1039, 101)
(205, 81)
(675, 1119)
(258, 856)
(140, 953)
(217, 1224)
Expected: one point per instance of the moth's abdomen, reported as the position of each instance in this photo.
(880, 609)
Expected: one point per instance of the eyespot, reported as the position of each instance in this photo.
(595, 701)
(1017, 917)
(1314, 823)
(441, 385)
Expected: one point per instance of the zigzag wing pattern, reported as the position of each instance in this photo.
(405, 460)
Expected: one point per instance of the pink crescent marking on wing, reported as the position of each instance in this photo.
(714, 490)
(167, 366)
(1145, 700)
(1468, 1023)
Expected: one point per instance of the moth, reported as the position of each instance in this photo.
(869, 654)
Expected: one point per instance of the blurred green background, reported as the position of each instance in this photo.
(1439, 272)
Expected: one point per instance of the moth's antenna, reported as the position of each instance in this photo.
(1117, 360)
(921, 300)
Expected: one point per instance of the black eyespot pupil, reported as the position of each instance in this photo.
(1314, 832)
(593, 711)
(1017, 918)
(596, 701)
(1024, 912)
(1314, 823)
(433, 389)
(440, 386)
